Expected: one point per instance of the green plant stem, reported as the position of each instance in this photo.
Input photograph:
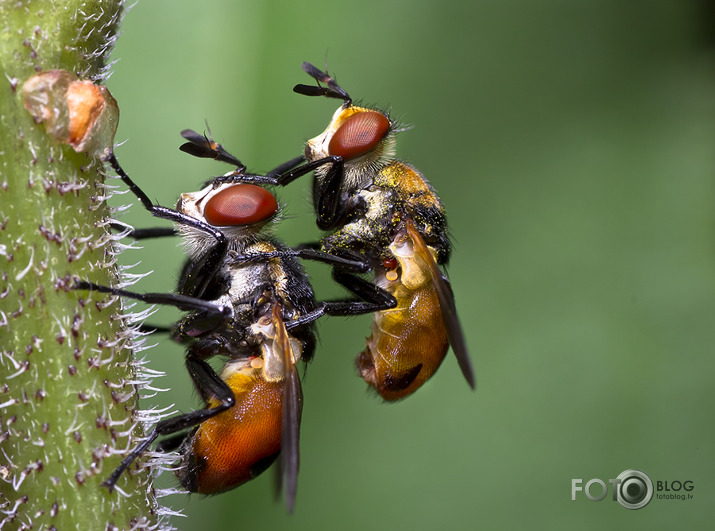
(67, 379)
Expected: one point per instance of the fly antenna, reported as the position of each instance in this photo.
(203, 146)
(331, 90)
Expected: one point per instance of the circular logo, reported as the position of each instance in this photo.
(635, 489)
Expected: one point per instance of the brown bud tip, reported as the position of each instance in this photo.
(75, 112)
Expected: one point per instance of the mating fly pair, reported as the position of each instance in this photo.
(250, 301)
(382, 212)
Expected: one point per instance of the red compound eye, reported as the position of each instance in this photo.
(242, 204)
(359, 134)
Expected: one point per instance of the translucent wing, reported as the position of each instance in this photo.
(446, 302)
(292, 411)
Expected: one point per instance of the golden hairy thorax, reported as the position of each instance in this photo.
(409, 184)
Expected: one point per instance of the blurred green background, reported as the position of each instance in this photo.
(573, 146)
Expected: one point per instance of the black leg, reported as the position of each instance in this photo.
(208, 383)
(373, 299)
(237, 177)
(141, 234)
(167, 299)
(373, 296)
(330, 210)
(171, 444)
(355, 263)
(276, 177)
(291, 175)
(215, 255)
(161, 211)
(285, 167)
(161, 329)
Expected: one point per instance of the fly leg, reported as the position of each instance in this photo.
(371, 298)
(350, 262)
(214, 256)
(209, 384)
(203, 146)
(181, 302)
(142, 234)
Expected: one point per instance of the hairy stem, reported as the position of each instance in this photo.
(68, 383)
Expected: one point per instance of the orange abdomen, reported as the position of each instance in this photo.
(240, 443)
(407, 345)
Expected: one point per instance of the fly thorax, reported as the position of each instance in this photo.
(246, 279)
(377, 203)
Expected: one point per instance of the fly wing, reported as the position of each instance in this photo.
(447, 305)
(292, 411)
